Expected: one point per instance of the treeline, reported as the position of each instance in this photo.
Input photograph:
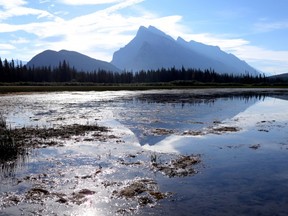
(11, 72)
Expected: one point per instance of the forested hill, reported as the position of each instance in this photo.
(10, 72)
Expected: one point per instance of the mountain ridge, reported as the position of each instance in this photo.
(81, 62)
(152, 49)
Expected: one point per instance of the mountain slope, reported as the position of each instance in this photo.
(77, 60)
(153, 49)
(215, 53)
(283, 77)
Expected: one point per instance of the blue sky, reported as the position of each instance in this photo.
(255, 31)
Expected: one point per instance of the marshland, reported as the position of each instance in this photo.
(155, 152)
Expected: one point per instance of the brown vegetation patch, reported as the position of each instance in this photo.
(63, 132)
(180, 167)
(43, 137)
(224, 129)
(193, 133)
(81, 196)
(161, 131)
(39, 195)
(218, 130)
(144, 191)
(255, 146)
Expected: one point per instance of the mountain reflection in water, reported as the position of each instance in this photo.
(152, 117)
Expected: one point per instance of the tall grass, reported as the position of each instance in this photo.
(11, 155)
(2, 121)
(8, 149)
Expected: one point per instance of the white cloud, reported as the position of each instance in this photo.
(270, 67)
(258, 53)
(225, 43)
(270, 26)
(19, 40)
(24, 11)
(16, 8)
(103, 30)
(270, 61)
(88, 2)
(12, 3)
(7, 46)
(44, 1)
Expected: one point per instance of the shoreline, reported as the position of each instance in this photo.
(10, 89)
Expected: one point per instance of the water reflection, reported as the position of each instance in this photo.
(263, 122)
(242, 172)
(238, 179)
(190, 97)
(153, 117)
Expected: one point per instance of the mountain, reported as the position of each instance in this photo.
(77, 60)
(283, 77)
(153, 49)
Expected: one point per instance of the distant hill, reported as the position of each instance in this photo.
(283, 77)
(153, 49)
(77, 60)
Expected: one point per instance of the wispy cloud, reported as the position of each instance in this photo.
(24, 11)
(224, 42)
(266, 26)
(12, 3)
(44, 1)
(270, 61)
(17, 8)
(7, 46)
(19, 40)
(88, 2)
(96, 34)
(258, 53)
(54, 38)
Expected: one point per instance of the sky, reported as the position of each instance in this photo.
(254, 30)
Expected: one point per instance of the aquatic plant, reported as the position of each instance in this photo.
(153, 158)
(6, 141)
(2, 121)
(11, 155)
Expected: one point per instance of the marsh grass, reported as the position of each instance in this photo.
(8, 149)
(2, 121)
(12, 155)
(15, 143)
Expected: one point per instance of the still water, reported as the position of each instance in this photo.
(240, 135)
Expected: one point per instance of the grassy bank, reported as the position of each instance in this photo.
(53, 87)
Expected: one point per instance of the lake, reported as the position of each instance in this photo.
(156, 152)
